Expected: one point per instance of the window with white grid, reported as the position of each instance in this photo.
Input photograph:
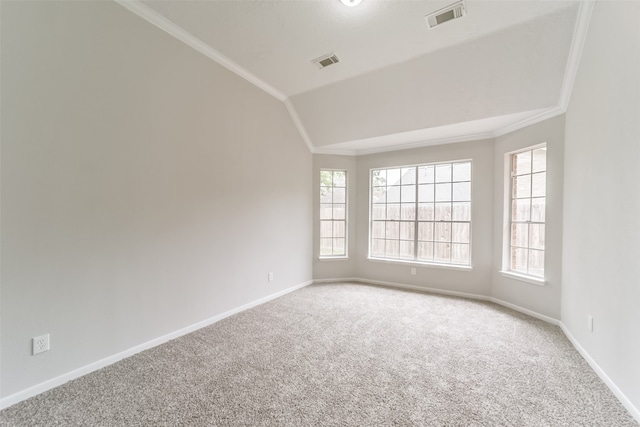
(421, 213)
(527, 211)
(333, 213)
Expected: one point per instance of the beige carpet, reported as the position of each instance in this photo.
(344, 355)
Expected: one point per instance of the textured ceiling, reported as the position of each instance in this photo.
(397, 81)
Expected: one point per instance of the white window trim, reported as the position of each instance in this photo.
(346, 219)
(457, 267)
(506, 223)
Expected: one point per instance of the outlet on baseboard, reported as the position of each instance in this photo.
(270, 277)
(413, 271)
(40, 344)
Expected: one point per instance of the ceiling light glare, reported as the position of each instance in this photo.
(351, 3)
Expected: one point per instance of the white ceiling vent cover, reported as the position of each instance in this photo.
(326, 60)
(454, 11)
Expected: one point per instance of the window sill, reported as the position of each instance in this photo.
(422, 264)
(521, 277)
(333, 258)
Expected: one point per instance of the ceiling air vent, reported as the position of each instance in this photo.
(454, 11)
(326, 60)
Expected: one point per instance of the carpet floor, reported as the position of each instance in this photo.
(344, 354)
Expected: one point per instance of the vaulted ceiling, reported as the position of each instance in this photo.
(397, 84)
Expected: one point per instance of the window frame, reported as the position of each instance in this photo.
(506, 270)
(416, 221)
(345, 220)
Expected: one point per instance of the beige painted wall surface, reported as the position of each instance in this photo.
(341, 267)
(601, 271)
(477, 281)
(541, 299)
(144, 188)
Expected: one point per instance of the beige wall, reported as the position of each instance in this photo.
(144, 188)
(541, 299)
(601, 271)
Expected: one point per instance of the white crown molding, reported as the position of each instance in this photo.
(573, 61)
(575, 52)
(189, 39)
(299, 125)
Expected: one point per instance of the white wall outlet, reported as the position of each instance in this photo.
(40, 344)
(590, 322)
(413, 271)
(270, 277)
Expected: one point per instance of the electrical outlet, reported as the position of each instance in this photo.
(413, 271)
(590, 322)
(270, 277)
(40, 344)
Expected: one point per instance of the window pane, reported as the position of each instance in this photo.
(519, 260)
(338, 229)
(536, 236)
(339, 246)
(378, 229)
(459, 254)
(426, 211)
(392, 248)
(326, 195)
(460, 232)
(522, 186)
(540, 160)
(339, 211)
(426, 192)
(537, 209)
(393, 194)
(425, 251)
(461, 211)
(425, 231)
(379, 212)
(393, 176)
(442, 232)
(407, 230)
(536, 263)
(408, 176)
(462, 171)
(326, 246)
(326, 210)
(393, 211)
(443, 192)
(408, 211)
(426, 174)
(379, 195)
(379, 177)
(520, 235)
(326, 229)
(339, 195)
(443, 212)
(539, 184)
(522, 163)
(377, 247)
(406, 249)
(520, 210)
(408, 193)
(392, 230)
(442, 252)
(462, 191)
(339, 178)
(326, 178)
(443, 173)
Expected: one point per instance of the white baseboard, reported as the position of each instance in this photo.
(635, 412)
(76, 373)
